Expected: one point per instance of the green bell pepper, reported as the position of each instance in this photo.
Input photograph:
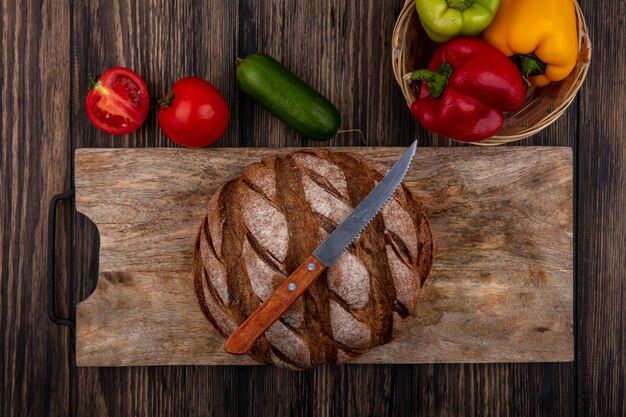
(446, 19)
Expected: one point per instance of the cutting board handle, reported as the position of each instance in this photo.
(52, 225)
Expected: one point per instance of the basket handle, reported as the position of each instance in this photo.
(52, 211)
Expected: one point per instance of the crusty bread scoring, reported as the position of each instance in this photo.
(259, 227)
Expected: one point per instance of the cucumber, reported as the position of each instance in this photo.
(287, 97)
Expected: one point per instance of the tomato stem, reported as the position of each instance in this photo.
(93, 80)
(166, 101)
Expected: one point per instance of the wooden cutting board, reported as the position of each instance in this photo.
(501, 289)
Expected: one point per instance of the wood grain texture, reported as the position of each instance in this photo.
(511, 389)
(602, 226)
(344, 34)
(34, 166)
(349, 41)
(500, 289)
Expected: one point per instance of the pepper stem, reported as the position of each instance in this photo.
(436, 81)
(460, 5)
(166, 101)
(529, 65)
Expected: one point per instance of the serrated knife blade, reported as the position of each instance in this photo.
(351, 227)
(326, 254)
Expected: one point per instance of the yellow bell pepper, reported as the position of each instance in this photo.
(540, 35)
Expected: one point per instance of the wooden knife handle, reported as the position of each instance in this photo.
(274, 306)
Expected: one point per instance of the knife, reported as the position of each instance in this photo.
(326, 254)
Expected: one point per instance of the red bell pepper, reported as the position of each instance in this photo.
(465, 90)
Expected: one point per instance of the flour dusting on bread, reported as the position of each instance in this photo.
(261, 226)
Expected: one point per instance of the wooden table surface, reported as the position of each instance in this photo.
(342, 48)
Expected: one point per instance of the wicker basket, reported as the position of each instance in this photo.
(412, 49)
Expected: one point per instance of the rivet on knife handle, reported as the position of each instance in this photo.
(285, 295)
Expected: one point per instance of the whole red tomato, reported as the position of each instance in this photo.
(118, 101)
(194, 113)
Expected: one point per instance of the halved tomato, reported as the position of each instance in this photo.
(118, 102)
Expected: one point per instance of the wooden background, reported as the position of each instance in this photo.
(341, 47)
